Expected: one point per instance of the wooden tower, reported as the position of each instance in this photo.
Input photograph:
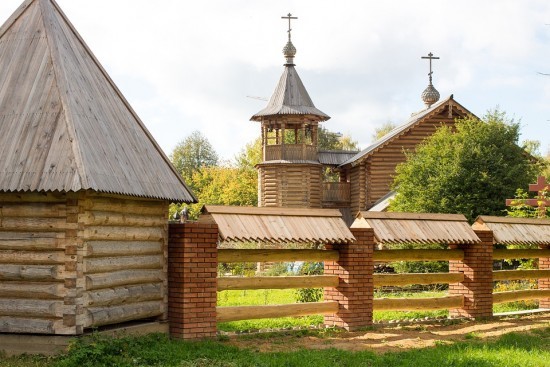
(290, 173)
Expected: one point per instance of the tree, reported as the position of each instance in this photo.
(193, 153)
(329, 140)
(471, 170)
(382, 131)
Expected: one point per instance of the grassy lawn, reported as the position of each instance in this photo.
(282, 296)
(525, 350)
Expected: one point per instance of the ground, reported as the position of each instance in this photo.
(385, 338)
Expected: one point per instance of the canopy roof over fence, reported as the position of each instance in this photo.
(417, 228)
(278, 225)
(516, 231)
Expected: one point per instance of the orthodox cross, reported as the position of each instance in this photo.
(289, 17)
(430, 57)
(540, 187)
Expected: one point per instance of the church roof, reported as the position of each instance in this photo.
(65, 125)
(290, 98)
(414, 120)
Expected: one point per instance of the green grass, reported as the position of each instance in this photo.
(511, 350)
(282, 296)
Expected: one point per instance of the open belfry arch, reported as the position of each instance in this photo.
(290, 172)
(84, 187)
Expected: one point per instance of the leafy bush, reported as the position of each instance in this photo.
(310, 294)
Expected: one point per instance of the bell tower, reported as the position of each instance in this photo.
(290, 174)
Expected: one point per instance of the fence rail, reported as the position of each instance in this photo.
(416, 278)
(230, 255)
(236, 313)
(501, 254)
(308, 281)
(512, 296)
(520, 274)
(418, 255)
(416, 304)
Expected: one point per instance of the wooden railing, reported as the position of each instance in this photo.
(418, 255)
(290, 152)
(235, 313)
(520, 295)
(336, 192)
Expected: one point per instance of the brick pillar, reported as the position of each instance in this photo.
(192, 280)
(477, 286)
(355, 291)
(544, 264)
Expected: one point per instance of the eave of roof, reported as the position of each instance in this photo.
(516, 231)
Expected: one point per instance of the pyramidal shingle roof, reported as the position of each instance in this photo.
(64, 125)
(290, 98)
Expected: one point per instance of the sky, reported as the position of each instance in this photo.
(194, 65)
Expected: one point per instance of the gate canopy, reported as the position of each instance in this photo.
(393, 228)
(516, 231)
(278, 225)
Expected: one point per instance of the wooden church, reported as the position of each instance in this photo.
(84, 187)
(290, 174)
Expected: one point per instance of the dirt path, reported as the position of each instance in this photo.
(393, 338)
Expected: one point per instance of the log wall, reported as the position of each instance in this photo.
(290, 185)
(74, 261)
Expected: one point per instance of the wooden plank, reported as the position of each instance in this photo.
(520, 274)
(508, 220)
(298, 212)
(415, 304)
(31, 308)
(417, 255)
(34, 290)
(25, 224)
(121, 278)
(31, 272)
(119, 219)
(33, 210)
(113, 248)
(110, 264)
(501, 254)
(282, 282)
(123, 295)
(230, 255)
(414, 216)
(9, 324)
(31, 257)
(99, 316)
(100, 233)
(416, 278)
(29, 243)
(512, 296)
(226, 314)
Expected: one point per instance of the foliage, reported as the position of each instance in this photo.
(329, 140)
(520, 209)
(382, 131)
(193, 153)
(471, 170)
(310, 294)
(419, 266)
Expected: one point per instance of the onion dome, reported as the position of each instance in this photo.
(430, 95)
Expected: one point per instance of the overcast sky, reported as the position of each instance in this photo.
(190, 65)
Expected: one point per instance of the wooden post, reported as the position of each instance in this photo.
(544, 283)
(192, 283)
(477, 287)
(355, 290)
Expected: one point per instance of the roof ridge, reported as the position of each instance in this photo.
(61, 78)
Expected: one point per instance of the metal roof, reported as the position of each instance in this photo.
(398, 131)
(65, 125)
(516, 231)
(394, 228)
(383, 203)
(290, 98)
(335, 157)
(279, 225)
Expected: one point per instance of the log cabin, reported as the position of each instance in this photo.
(291, 173)
(84, 187)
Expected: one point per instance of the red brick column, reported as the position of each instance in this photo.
(544, 264)
(192, 280)
(355, 291)
(477, 286)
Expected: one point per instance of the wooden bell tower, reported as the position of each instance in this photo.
(290, 174)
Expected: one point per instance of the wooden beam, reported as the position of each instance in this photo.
(225, 314)
(308, 281)
(501, 254)
(417, 255)
(228, 256)
(98, 316)
(416, 304)
(416, 278)
(511, 296)
(520, 274)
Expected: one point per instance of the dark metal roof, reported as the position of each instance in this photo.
(65, 125)
(290, 98)
(413, 121)
(335, 157)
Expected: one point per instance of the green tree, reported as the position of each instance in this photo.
(193, 153)
(382, 131)
(328, 140)
(471, 170)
